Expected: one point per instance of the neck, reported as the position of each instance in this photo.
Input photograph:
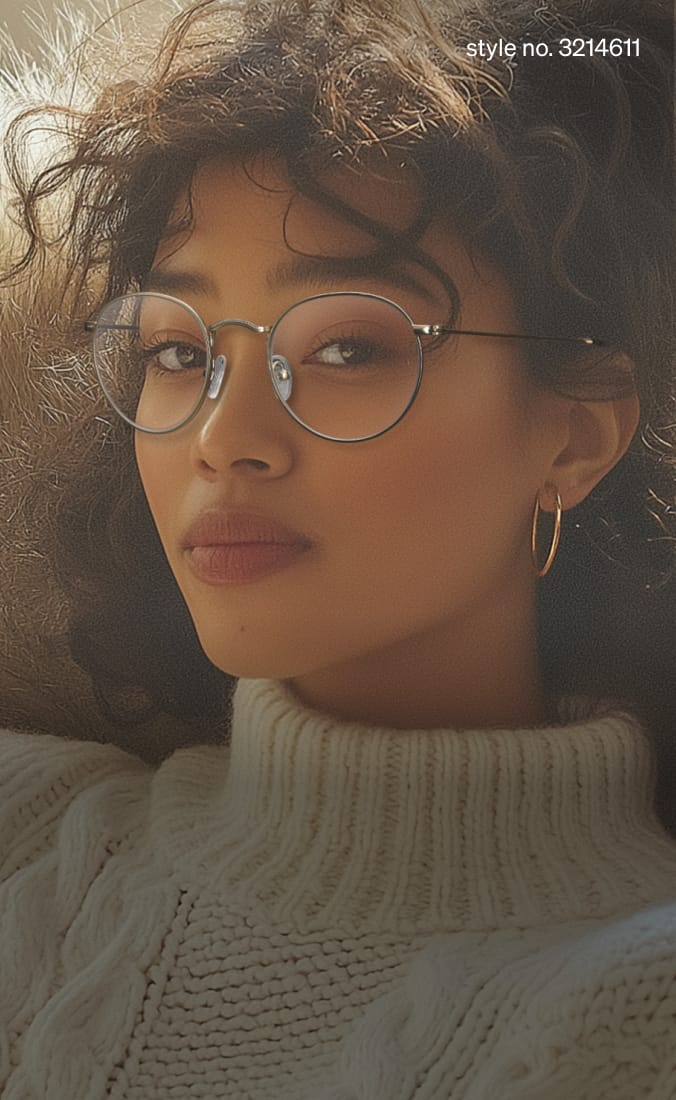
(479, 673)
(330, 824)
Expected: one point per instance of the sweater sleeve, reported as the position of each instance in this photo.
(592, 1016)
(65, 807)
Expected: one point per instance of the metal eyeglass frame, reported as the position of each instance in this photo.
(214, 376)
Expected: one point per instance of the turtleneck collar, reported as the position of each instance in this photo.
(324, 822)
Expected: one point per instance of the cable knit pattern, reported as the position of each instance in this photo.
(327, 911)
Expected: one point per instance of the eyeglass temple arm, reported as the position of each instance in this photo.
(91, 326)
(439, 330)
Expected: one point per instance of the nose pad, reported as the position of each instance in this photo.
(218, 375)
(283, 378)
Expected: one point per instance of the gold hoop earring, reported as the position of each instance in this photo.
(554, 545)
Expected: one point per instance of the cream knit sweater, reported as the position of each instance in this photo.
(323, 911)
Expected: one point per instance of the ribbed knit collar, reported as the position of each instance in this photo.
(323, 822)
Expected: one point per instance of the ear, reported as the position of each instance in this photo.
(599, 434)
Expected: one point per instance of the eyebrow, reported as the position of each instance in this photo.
(166, 281)
(324, 271)
(310, 271)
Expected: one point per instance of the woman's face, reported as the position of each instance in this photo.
(418, 589)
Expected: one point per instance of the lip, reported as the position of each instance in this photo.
(231, 548)
(232, 564)
(223, 528)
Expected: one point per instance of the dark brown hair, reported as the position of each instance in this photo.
(556, 169)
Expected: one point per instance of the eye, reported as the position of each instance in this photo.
(170, 357)
(349, 353)
(346, 350)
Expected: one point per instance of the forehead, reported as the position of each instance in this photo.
(260, 194)
(252, 213)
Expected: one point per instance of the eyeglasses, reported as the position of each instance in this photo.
(346, 366)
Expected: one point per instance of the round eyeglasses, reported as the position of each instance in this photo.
(346, 366)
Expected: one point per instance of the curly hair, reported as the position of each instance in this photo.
(558, 170)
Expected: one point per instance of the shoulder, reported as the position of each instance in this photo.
(585, 1010)
(74, 802)
(46, 780)
(597, 1012)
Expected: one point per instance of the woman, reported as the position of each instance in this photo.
(382, 336)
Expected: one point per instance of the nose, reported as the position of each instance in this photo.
(281, 374)
(241, 419)
(280, 367)
(239, 369)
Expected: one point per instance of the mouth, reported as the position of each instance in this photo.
(227, 548)
(222, 528)
(236, 563)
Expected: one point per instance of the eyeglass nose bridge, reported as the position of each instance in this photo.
(219, 362)
(236, 321)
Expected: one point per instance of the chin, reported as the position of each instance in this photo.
(254, 666)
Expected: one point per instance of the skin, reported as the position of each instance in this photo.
(415, 607)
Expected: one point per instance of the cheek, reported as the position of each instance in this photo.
(466, 445)
(159, 470)
(450, 495)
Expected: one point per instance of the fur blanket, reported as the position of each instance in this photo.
(45, 382)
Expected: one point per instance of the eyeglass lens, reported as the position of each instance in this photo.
(345, 365)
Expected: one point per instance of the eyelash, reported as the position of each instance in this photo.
(152, 352)
(353, 339)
